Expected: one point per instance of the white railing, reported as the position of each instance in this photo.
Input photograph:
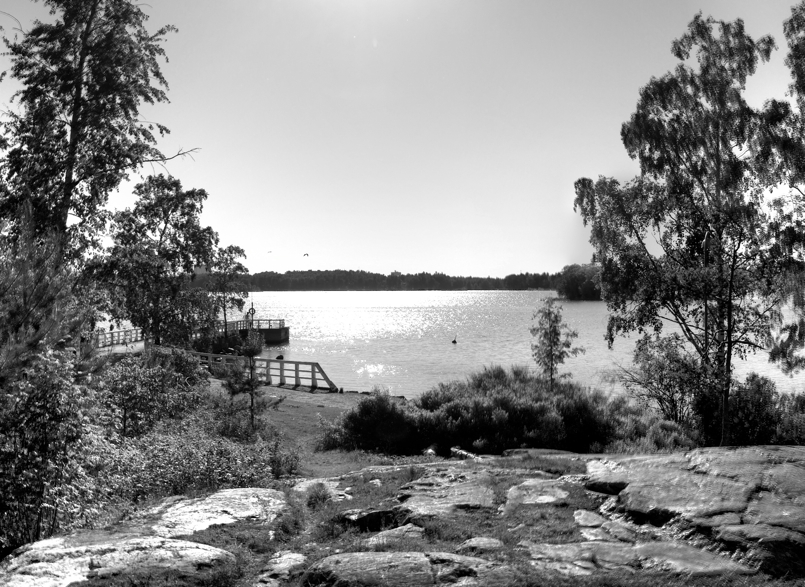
(115, 337)
(274, 371)
(258, 323)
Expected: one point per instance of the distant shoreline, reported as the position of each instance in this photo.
(343, 280)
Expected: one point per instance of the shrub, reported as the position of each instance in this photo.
(494, 410)
(165, 462)
(790, 427)
(135, 393)
(43, 430)
(666, 376)
(380, 423)
(753, 411)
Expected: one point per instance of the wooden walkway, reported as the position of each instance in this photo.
(274, 371)
(269, 371)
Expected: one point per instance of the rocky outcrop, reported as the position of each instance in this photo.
(749, 498)
(280, 568)
(406, 569)
(446, 489)
(143, 546)
(586, 558)
(704, 512)
(181, 515)
(58, 562)
(394, 536)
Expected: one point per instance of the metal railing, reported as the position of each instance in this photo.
(274, 371)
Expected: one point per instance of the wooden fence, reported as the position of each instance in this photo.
(275, 371)
(115, 337)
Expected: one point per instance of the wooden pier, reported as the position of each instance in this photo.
(274, 331)
(275, 371)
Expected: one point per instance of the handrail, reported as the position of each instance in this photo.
(128, 335)
(273, 371)
(114, 337)
(257, 323)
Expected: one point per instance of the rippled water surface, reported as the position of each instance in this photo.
(402, 339)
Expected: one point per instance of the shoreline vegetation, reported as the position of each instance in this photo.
(574, 282)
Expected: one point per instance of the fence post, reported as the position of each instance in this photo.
(296, 373)
(313, 381)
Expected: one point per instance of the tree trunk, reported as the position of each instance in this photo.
(75, 121)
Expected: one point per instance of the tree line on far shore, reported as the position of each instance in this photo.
(574, 282)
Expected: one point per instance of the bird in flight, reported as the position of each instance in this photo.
(305, 255)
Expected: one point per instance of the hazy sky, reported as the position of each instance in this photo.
(412, 135)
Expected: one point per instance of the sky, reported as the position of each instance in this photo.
(410, 135)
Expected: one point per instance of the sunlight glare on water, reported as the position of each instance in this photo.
(403, 339)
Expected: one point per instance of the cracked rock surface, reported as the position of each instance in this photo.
(706, 512)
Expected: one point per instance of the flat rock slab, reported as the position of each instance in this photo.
(405, 569)
(181, 516)
(281, 567)
(586, 558)
(536, 491)
(443, 491)
(58, 562)
(588, 519)
(715, 489)
(480, 544)
(393, 536)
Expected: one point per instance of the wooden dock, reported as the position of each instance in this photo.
(273, 330)
(275, 371)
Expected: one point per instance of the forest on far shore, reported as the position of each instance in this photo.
(574, 282)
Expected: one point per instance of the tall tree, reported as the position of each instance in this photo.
(150, 267)
(225, 282)
(691, 241)
(77, 131)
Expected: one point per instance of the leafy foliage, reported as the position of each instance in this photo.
(42, 429)
(150, 267)
(553, 339)
(707, 163)
(225, 282)
(579, 282)
(666, 375)
(79, 130)
(136, 393)
(494, 410)
(242, 378)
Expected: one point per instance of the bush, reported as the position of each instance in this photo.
(753, 411)
(166, 462)
(136, 393)
(638, 429)
(494, 410)
(791, 420)
(381, 424)
(43, 431)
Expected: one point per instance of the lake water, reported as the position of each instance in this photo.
(402, 339)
